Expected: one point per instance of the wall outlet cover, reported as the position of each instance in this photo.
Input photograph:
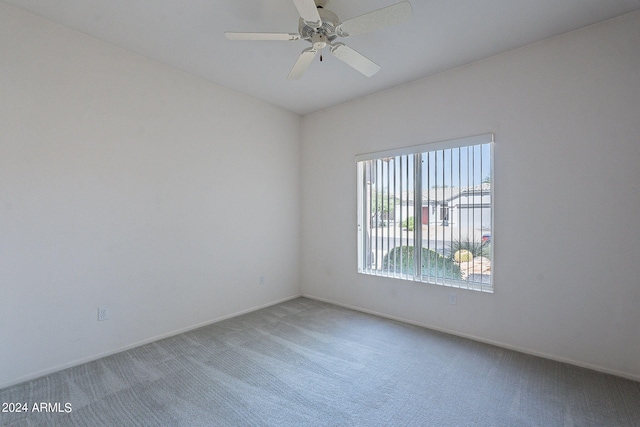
(103, 313)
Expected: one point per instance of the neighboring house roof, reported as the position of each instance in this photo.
(447, 194)
(466, 191)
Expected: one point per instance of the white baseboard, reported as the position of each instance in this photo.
(483, 340)
(91, 358)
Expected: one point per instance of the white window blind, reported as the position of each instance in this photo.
(425, 213)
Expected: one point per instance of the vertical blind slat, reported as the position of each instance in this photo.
(446, 195)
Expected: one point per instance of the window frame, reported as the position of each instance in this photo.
(416, 177)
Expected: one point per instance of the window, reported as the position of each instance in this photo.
(440, 195)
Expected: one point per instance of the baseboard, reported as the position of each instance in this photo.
(87, 359)
(483, 340)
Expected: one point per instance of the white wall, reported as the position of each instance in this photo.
(120, 182)
(566, 114)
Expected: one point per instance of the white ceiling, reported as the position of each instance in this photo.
(443, 34)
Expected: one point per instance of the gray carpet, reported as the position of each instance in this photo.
(307, 363)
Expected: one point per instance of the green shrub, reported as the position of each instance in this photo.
(408, 224)
(400, 260)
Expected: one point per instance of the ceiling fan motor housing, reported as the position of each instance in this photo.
(322, 35)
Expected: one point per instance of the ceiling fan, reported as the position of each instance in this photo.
(321, 28)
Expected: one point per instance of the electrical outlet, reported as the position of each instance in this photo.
(262, 279)
(453, 298)
(103, 313)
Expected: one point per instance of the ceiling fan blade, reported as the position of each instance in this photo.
(385, 17)
(308, 12)
(354, 59)
(303, 62)
(261, 36)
